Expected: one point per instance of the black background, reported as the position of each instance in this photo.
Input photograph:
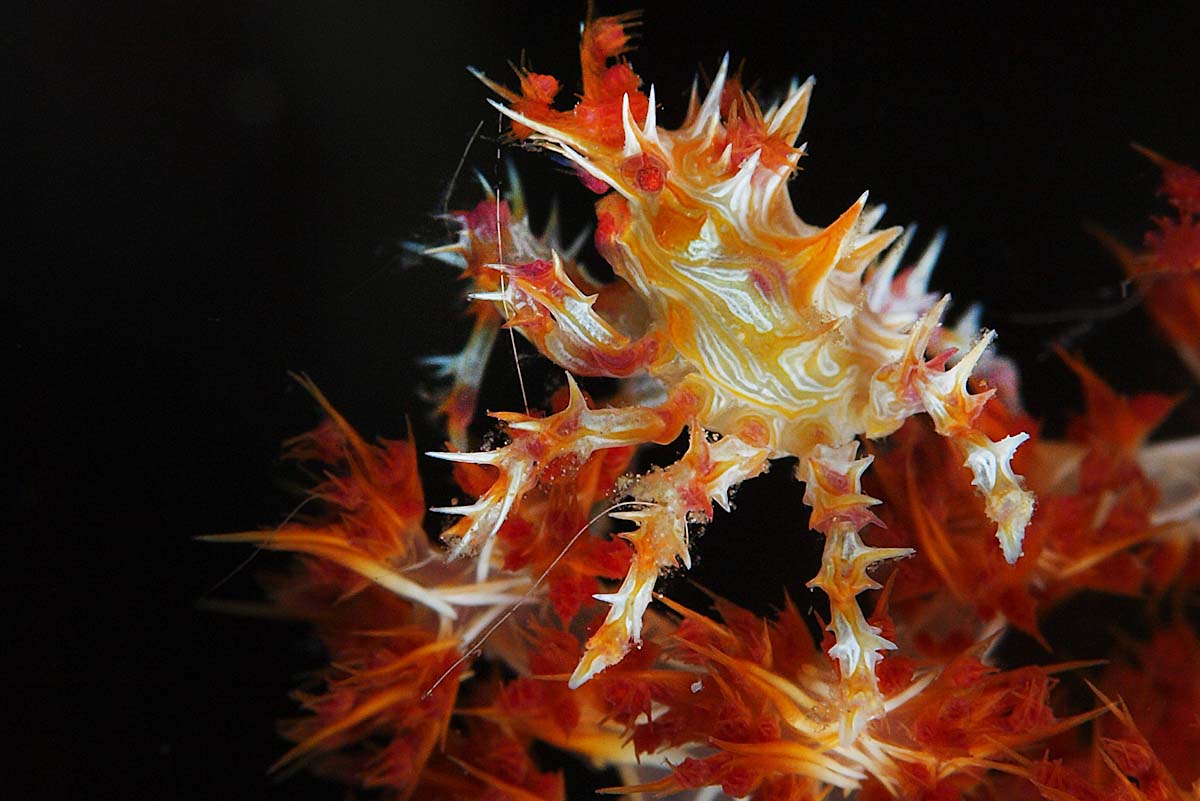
(217, 196)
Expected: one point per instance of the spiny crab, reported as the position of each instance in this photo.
(761, 335)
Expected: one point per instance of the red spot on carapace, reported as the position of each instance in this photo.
(646, 172)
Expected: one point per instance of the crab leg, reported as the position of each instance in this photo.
(680, 494)
(575, 433)
(911, 385)
(839, 510)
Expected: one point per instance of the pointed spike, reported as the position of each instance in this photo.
(483, 562)
(919, 280)
(969, 321)
(738, 186)
(1007, 447)
(551, 231)
(967, 363)
(876, 555)
(848, 224)
(633, 147)
(493, 297)
(693, 107)
(923, 330)
(650, 127)
(935, 316)
(486, 184)
(447, 254)
(891, 261)
(885, 273)
(575, 394)
(461, 511)
(868, 246)
(546, 131)
(576, 401)
(438, 362)
(516, 193)
(477, 598)
(453, 247)
(534, 425)
(939, 310)
(748, 166)
(873, 215)
(788, 120)
(710, 111)
(1159, 160)
(466, 457)
(726, 160)
(773, 190)
(503, 91)
(560, 271)
(558, 276)
(587, 165)
(449, 257)
(417, 248)
(746, 170)
(611, 598)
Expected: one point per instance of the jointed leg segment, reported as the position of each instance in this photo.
(675, 496)
(839, 509)
(576, 432)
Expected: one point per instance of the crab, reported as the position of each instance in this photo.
(760, 335)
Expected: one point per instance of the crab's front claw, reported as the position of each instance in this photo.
(540, 300)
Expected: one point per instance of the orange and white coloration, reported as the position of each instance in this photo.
(761, 337)
(761, 334)
(495, 230)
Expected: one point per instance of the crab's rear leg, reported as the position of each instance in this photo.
(573, 434)
(672, 498)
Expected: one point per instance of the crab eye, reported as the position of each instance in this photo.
(646, 172)
(649, 179)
